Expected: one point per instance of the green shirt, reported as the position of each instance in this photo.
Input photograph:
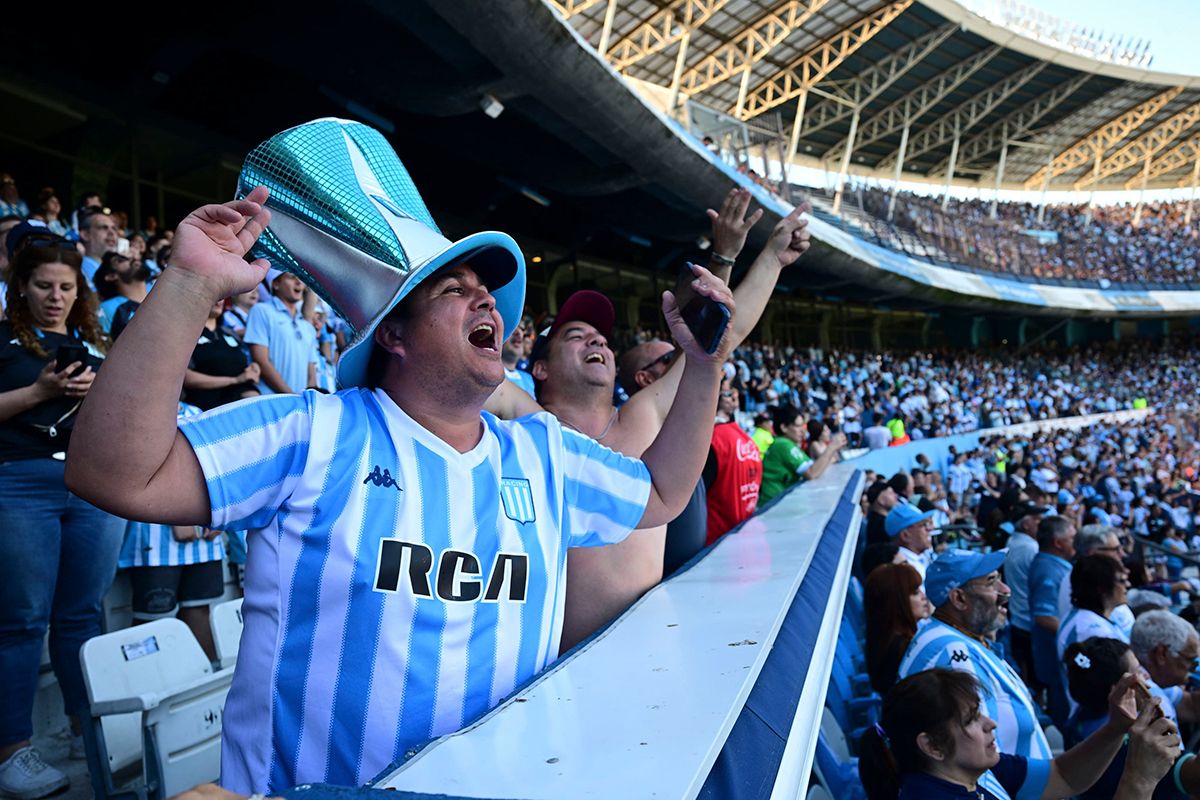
(784, 464)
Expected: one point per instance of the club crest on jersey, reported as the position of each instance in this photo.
(518, 499)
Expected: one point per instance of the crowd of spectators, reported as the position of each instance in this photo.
(1057, 579)
(1108, 244)
(784, 415)
(68, 289)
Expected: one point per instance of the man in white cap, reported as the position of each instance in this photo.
(281, 342)
(406, 552)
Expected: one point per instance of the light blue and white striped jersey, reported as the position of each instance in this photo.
(395, 589)
(1005, 698)
(149, 544)
(1080, 625)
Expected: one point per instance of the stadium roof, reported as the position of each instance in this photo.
(931, 65)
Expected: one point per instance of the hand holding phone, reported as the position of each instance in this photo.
(707, 320)
(68, 354)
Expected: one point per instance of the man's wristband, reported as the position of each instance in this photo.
(1186, 757)
(724, 261)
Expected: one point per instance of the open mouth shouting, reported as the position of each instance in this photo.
(485, 336)
(595, 357)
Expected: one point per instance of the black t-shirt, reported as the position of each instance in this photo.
(29, 434)
(217, 353)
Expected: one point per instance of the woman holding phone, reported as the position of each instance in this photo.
(58, 553)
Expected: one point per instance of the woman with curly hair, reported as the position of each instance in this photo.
(58, 553)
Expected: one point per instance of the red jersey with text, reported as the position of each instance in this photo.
(734, 493)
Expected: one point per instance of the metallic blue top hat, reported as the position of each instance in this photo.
(346, 218)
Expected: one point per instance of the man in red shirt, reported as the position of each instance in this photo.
(734, 470)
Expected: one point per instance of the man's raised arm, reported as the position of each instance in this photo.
(788, 242)
(676, 456)
(127, 455)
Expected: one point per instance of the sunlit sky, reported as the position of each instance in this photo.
(1173, 28)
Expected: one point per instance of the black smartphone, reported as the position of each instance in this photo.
(707, 320)
(68, 354)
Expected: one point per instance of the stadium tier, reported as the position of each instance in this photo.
(363, 501)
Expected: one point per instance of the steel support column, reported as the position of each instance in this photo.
(950, 169)
(899, 168)
(1187, 215)
(1137, 214)
(999, 177)
(679, 62)
(1045, 185)
(797, 124)
(1095, 177)
(606, 33)
(844, 170)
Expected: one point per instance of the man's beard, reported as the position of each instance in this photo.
(140, 274)
(983, 619)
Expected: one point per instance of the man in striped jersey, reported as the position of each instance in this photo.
(407, 554)
(970, 604)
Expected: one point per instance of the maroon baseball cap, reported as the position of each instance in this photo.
(585, 305)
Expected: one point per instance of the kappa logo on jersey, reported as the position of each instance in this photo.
(518, 499)
(959, 655)
(383, 477)
(458, 578)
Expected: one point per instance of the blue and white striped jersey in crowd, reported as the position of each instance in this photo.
(395, 588)
(1005, 698)
(149, 544)
(1080, 625)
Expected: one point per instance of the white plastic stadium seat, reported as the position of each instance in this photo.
(226, 621)
(152, 685)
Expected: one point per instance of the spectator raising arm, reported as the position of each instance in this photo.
(153, 473)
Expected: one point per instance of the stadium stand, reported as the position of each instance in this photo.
(981, 359)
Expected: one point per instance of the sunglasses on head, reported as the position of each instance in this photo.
(48, 240)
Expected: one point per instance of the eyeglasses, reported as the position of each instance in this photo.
(665, 360)
(1192, 661)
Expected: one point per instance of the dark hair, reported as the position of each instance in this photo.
(932, 702)
(1051, 528)
(900, 483)
(105, 288)
(87, 214)
(784, 415)
(82, 316)
(1093, 580)
(890, 621)
(815, 427)
(1090, 685)
(878, 554)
